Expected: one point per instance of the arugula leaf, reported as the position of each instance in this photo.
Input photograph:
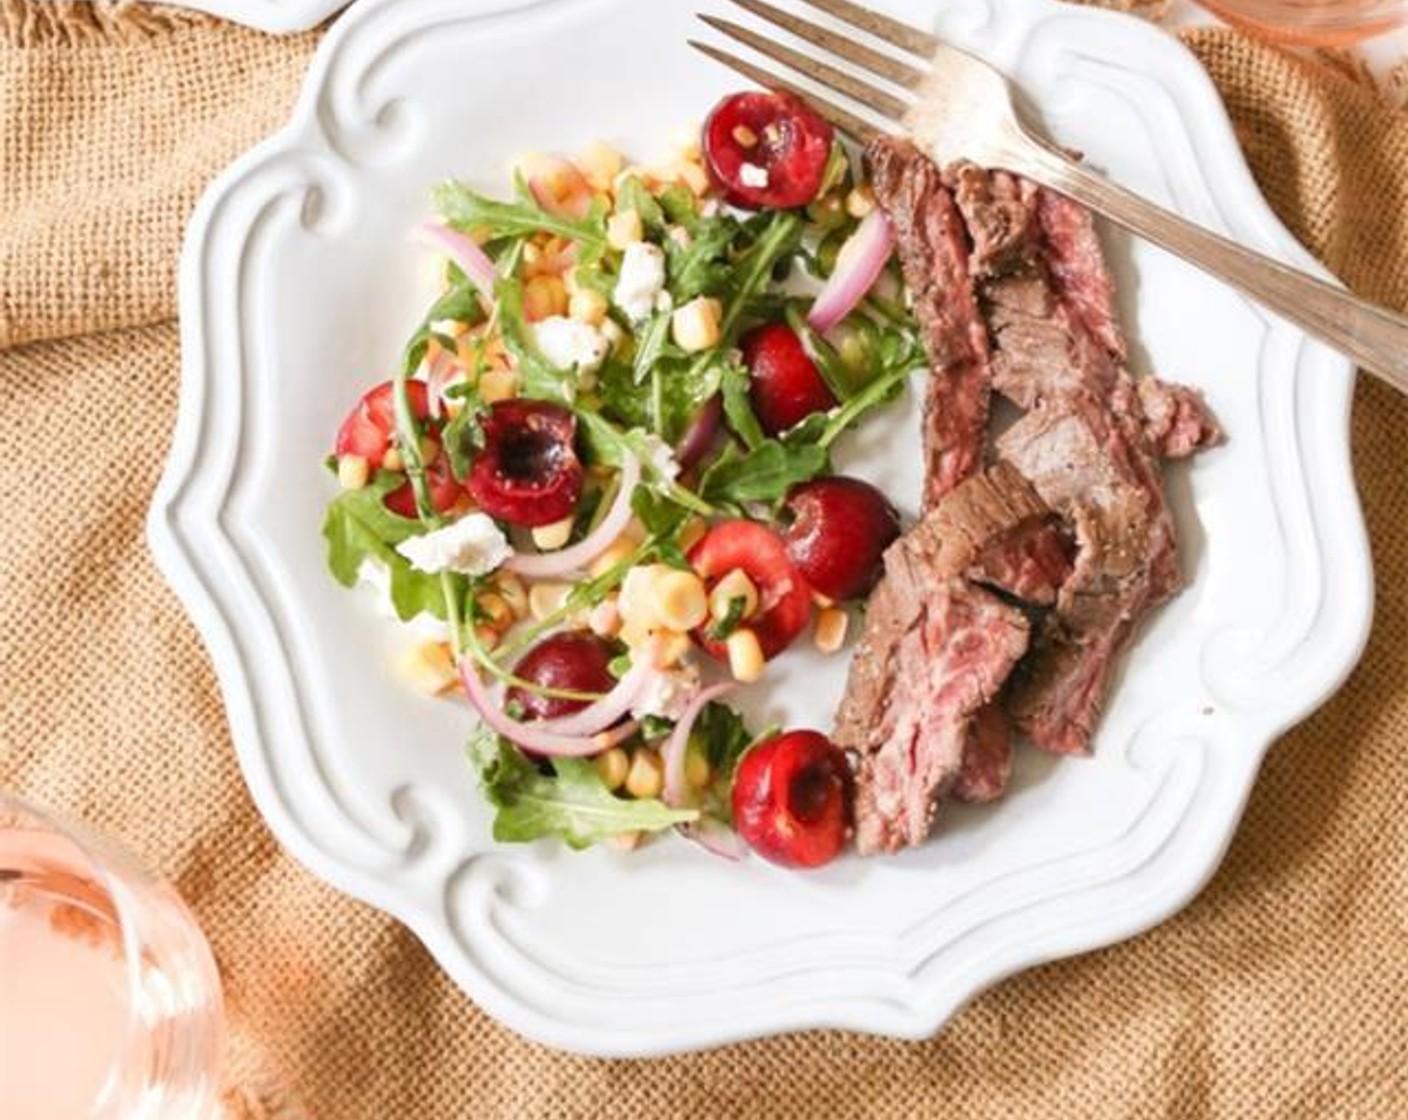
(702, 266)
(464, 434)
(633, 195)
(650, 346)
(764, 474)
(459, 302)
(466, 209)
(723, 734)
(729, 623)
(359, 527)
(679, 206)
(781, 234)
(738, 407)
(572, 803)
(838, 167)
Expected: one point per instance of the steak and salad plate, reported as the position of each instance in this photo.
(672, 557)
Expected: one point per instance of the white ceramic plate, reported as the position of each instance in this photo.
(275, 16)
(298, 289)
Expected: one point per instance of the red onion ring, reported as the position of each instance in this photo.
(677, 744)
(465, 253)
(547, 564)
(858, 265)
(601, 714)
(699, 435)
(529, 737)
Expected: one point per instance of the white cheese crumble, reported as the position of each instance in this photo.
(659, 456)
(751, 175)
(668, 693)
(473, 545)
(566, 343)
(642, 279)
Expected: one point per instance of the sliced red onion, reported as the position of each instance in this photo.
(860, 262)
(544, 565)
(601, 714)
(715, 836)
(465, 253)
(533, 738)
(438, 372)
(699, 436)
(677, 744)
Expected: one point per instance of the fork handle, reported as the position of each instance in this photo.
(1374, 337)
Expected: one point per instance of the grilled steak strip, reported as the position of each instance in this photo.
(934, 257)
(936, 649)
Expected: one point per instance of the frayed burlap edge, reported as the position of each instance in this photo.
(36, 23)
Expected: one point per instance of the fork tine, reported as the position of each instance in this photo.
(883, 103)
(882, 27)
(853, 126)
(867, 58)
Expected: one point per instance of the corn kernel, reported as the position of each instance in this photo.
(634, 635)
(429, 449)
(625, 841)
(619, 551)
(822, 602)
(600, 163)
(638, 600)
(352, 472)
(734, 585)
(497, 610)
(497, 385)
(696, 765)
(830, 632)
(646, 776)
(546, 599)
(428, 666)
(860, 202)
(544, 297)
(393, 460)
(615, 334)
(681, 603)
(611, 767)
(692, 532)
(671, 648)
(587, 306)
(512, 591)
(745, 655)
(549, 538)
(605, 619)
(624, 229)
(697, 325)
(694, 177)
(745, 136)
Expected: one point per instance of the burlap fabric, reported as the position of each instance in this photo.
(1282, 991)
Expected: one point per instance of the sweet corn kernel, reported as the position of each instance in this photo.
(429, 450)
(613, 554)
(692, 532)
(745, 136)
(611, 767)
(511, 589)
(625, 841)
(646, 776)
(672, 647)
(352, 472)
(694, 177)
(745, 655)
(550, 538)
(822, 602)
(734, 585)
(624, 229)
(615, 334)
(497, 610)
(428, 666)
(696, 325)
(681, 603)
(638, 599)
(393, 460)
(634, 635)
(605, 619)
(497, 385)
(600, 163)
(544, 297)
(696, 765)
(546, 599)
(587, 306)
(860, 202)
(830, 632)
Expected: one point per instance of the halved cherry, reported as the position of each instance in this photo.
(766, 150)
(783, 381)
(444, 490)
(528, 472)
(839, 531)
(369, 427)
(792, 799)
(784, 600)
(573, 662)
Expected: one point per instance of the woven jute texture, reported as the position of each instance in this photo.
(1282, 991)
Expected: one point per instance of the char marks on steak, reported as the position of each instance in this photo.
(934, 258)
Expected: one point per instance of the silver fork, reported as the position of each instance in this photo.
(962, 107)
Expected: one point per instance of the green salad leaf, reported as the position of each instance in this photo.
(572, 803)
(699, 264)
(764, 474)
(459, 302)
(538, 378)
(738, 407)
(466, 209)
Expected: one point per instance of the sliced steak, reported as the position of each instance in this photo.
(987, 757)
(1077, 266)
(1085, 461)
(934, 256)
(1000, 211)
(1176, 419)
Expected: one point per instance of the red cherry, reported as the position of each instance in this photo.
(783, 382)
(840, 529)
(784, 601)
(369, 427)
(576, 662)
(791, 799)
(528, 472)
(445, 492)
(766, 150)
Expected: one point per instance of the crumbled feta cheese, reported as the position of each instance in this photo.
(751, 175)
(667, 694)
(642, 278)
(566, 343)
(473, 545)
(659, 456)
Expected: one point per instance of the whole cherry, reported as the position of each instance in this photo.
(792, 799)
